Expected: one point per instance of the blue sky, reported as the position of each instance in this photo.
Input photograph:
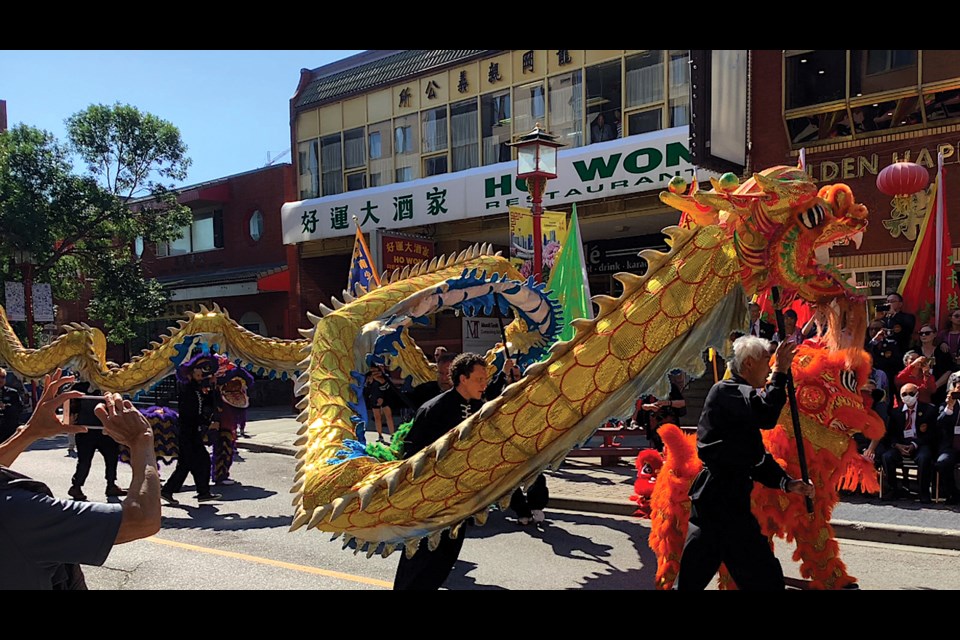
(232, 107)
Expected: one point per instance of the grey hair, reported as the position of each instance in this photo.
(748, 347)
(953, 379)
(909, 357)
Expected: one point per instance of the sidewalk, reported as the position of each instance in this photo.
(581, 484)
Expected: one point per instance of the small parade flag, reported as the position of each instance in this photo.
(568, 280)
(929, 286)
(362, 269)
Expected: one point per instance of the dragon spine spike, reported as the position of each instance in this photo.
(461, 256)
(347, 539)
(433, 264)
(393, 479)
(606, 304)
(302, 440)
(410, 547)
(347, 297)
(300, 453)
(447, 441)
(308, 334)
(340, 504)
(654, 258)
(487, 410)
(299, 520)
(296, 487)
(359, 545)
(455, 530)
(387, 550)
(302, 418)
(297, 501)
(366, 495)
(395, 275)
(498, 254)
(480, 517)
(433, 540)
(372, 549)
(336, 304)
(581, 324)
(300, 472)
(203, 309)
(303, 382)
(314, 319)
(336, 535)
(405, 273)
(466, 429)
(419, 462)
(305, 362)
(504, 501)
(629, 281)
(319, 514)
(302, 403)
(324, 311)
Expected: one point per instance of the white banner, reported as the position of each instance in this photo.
(615, 168)
(42, 303)
(16, 305)
(480, 334)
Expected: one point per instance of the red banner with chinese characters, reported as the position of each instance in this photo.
(402, 251)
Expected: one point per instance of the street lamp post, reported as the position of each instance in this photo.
(537, 163)
(25, 260)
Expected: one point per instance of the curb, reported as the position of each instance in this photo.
(844, 529)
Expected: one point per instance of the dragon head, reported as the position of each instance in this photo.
(783, 227)
(830, 397)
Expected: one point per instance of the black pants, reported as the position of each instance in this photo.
(8, 428)
(193, 459)
(718, 535)
(89, 443)
(925, 458)
(536, 498)
(427, 570)
(944, 466)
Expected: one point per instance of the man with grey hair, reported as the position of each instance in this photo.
(948, 424)
(722, 527)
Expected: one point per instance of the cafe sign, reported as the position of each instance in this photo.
(618, 167)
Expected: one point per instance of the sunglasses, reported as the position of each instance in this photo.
(927, 333)
(908, 394)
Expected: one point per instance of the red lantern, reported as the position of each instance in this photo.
(903, 179)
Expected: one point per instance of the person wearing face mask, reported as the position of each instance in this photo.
(911, 433)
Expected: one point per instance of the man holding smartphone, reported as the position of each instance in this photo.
(949, 426)
(899, 322)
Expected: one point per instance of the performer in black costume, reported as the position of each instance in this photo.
(427, 570)
(722, 527)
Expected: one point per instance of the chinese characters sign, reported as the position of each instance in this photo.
(16, 303)
(619, 167)
(400, 251)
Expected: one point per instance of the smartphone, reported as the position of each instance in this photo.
(885, 306)
(955, 395)
(79, 412)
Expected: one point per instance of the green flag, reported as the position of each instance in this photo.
(568, 279)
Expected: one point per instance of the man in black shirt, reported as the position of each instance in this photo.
(722, 527)
(899, 322)
(11, 406)
(427, 570)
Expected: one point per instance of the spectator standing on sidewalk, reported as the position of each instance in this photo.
(11, 406)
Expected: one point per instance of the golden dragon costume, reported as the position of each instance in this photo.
(832, 409)
(773, 230)
(770, 231)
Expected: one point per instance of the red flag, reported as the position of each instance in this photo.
(767, 312)
(929, 285)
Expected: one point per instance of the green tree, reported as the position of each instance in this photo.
(80, 227)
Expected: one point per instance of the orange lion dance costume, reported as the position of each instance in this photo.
(832, 409)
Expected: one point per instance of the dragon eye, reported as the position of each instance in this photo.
(813, 217)
(849, 380)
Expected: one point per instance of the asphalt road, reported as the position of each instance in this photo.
(242, 542)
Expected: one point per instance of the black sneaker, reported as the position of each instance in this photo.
(168, 496)
(77, 494)
(113, 491)
(209, 497)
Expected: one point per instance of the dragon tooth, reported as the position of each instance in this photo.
(336, 304)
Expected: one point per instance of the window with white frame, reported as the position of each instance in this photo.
(205, 233)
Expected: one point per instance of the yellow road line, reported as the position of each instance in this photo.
(272, 563)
